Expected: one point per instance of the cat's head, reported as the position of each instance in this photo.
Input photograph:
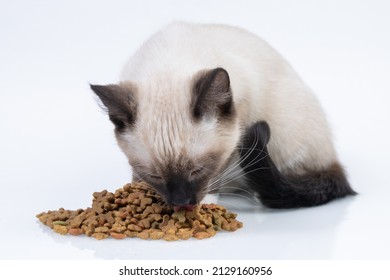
(176, 134)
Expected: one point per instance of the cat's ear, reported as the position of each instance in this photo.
(212, 96)
(119, 100)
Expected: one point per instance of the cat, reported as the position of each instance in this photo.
(205, 107)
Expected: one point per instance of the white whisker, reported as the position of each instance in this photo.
(236, 170)
(217, 180)
(251, 199)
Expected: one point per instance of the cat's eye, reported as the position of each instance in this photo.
(196, 171)
(156, 177)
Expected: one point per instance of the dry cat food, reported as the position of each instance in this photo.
(137, 211)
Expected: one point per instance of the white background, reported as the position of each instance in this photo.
(57, 147)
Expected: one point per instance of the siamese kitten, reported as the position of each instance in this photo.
(202, 108)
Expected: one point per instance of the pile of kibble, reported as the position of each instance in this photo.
(137, 211)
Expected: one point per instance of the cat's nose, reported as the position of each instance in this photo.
(185, 207)
(178, 200)
(180, 192)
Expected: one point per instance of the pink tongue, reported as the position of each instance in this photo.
(187, 207)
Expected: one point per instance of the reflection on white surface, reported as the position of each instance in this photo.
(57, 148)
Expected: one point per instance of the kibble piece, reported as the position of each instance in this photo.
(170, 237)
(211, 231)
(102, 229)
(118, 227)
(156, 234)
(143, 234)
(146, 201)
(202, 235)
(89, 229)
(60, 223)
(75, 231)
(184, 233)
(145, 223)
(117, 235)
(77, 221)
(198, 227)
(170, 226)
(134, 228)
(131, 233)
(179, 216)
(60, 229)
(154, 217)
(100, 235)
(231, 226)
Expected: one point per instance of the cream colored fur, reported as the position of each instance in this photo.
(264, 87)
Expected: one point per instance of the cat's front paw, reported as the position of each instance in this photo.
(254, 142)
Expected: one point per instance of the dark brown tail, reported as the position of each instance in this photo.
(279, 191)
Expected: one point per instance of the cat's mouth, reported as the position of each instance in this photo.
(187, 207)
